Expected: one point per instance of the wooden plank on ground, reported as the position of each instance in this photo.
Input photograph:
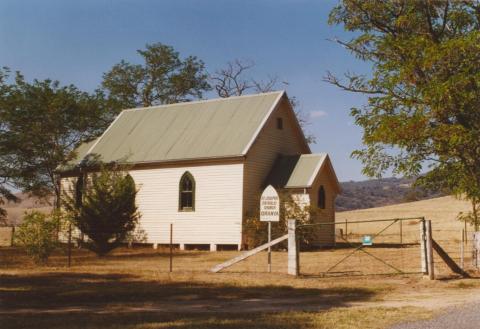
(448, 260)
(247, 254)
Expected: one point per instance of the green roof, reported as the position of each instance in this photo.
(80, 153)
(214, 128)
(296, 171)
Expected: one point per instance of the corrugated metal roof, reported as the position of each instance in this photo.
(296, 171)
(222, 127)
(80, 153)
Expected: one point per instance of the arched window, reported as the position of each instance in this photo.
(186, 197)
(79, 186)
(321, 198)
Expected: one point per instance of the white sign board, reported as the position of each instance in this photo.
(269, 205)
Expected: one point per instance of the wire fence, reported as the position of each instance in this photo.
(367, 247)
(458, 245)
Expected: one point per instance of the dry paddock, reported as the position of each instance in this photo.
(133, 288)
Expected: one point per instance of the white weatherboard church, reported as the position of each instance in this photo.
(203, 165)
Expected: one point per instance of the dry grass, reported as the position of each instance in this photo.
(374, 318)
(446, 229)
(441, 211)
(133, 289)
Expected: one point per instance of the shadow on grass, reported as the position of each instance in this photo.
(84, 300)
(288, 320)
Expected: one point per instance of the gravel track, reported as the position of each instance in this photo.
(465, 316)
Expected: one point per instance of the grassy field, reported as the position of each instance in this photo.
(441, 211)
(446, 229)
(132, 288)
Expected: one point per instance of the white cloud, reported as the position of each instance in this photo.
(318, 114)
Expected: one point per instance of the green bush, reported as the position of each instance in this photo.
(255, 231)
(104, 209)
(38, 235)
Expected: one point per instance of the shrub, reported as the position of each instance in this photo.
(105, 209)
(38, 235)
(291, 206)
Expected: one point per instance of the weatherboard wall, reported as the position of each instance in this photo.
(325, 234)
(270, 143)
(217, 218)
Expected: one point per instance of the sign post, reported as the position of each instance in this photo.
(269, 212)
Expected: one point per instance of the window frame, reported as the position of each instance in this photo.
(79, 190)
(186, 175)
(321, 198)
(279, 123)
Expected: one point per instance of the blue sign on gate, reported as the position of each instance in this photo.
(367, 240)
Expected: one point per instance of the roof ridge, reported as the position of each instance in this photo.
(303, 155)
(202, 101)
(313, 154)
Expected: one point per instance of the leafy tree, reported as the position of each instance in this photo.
(38, 235)
(5, 187)
(41, 123)
(164, 78)
(104, 208)
(5, 162)
(424, 91)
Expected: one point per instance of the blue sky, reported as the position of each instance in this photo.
(76, 41)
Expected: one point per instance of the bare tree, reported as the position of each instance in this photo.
(265, 86)
(229, 80)
(232, 81)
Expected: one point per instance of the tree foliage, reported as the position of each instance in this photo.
(424, 90)
(5, 161)
(164, 78)
(41, 124)
(38, 235)
(104, 209)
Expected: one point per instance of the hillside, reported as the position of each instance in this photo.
(441, 211)
(15, 211)
(380, 192)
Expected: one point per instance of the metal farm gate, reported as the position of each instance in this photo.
(396, 246)
(367, 247)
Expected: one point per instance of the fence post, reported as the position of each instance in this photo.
(269, 260)
(401, 233)
(171, 247)
(462, 251)
(429, 244)
(69, 246)
(12, 237)
(466, 232)
(476, 247)
(423, 249)
(293, 256)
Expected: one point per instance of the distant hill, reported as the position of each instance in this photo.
(15, 211)
(380, 192)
